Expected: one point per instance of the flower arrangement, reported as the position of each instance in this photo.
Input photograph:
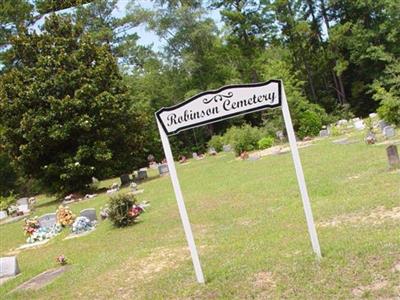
(31, 225)
(44, 233)
(65, 217)
(62, 260)
(82, 224)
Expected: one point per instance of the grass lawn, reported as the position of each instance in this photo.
(250, 230)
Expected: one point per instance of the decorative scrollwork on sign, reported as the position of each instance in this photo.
(218, 97)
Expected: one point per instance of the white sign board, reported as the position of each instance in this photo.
(218, 105)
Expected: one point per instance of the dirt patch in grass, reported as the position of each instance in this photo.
(264, 283)
(135, 271)
(375, 216)
(377, 285)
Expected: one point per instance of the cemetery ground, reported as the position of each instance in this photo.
(250, 229)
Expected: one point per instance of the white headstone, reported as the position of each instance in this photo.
(389, 131)
(194, 155)
(24, 208)
(359, 125)
(3, 214)
(8, 266)
(342, 122)
(47, 220)
(23, 201)
(373, 115)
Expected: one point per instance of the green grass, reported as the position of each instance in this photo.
(250, 230)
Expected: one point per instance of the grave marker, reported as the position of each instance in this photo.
(389, 131)
(163, 169)
(125, 179)
(47, 220)
(393, 157)
(89, 213)
(217, 105)
(9, 266)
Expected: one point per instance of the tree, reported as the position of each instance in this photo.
(65, 110)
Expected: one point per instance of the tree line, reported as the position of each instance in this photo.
(78, 96)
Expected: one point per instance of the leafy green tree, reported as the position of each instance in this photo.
(65, 110)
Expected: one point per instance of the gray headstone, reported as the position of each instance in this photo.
(389, 131)
(142, 174)
(194, 155)
(8, 266)
(227, 148)
(382, 124)
(23, 201)
(133, 186)
(47, 220)
(89, 213)
(323, 133)
(163, 169)
(393, 157)
(125, 179)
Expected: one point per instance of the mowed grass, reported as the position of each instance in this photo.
(249, 226)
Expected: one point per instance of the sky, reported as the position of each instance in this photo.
(146, 37)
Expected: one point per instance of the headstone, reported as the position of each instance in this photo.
(163, 169)
(356, 119)
(89, 213)
(151, 158)
(227, 148)
(212, 151)
(359, 125)
(389, 131)
(373, 115)
(24, 208)
(393, 157)
(324, 133)
(125, 179)
(47, 220)
(3, 214)
(133, 186)
(153, 165)
(142, 174)
(342, 122)
(194, 155)
(382, 124)
(8, 266)
(23, 201)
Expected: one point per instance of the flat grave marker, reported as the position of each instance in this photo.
(47, 220)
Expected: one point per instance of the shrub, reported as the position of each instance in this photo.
(265, 142)
(310, 124)
(121, 210)
(243, 138)
(6, 202)
(216, 142)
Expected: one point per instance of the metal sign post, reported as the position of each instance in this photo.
(218, 105)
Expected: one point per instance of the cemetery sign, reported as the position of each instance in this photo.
(218, 105)
(213, 106)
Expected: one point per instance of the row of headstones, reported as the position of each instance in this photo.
(22, 204)
(50, 219)
(162, 169)
(387, 130)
